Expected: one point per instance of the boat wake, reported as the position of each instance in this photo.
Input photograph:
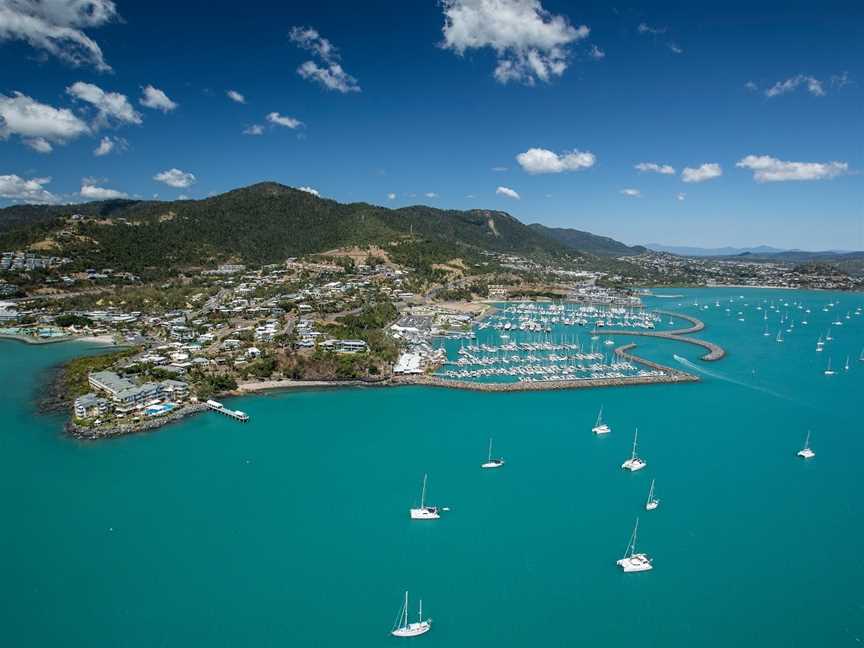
(718, 376)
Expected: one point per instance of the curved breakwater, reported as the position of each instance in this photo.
(715, 351)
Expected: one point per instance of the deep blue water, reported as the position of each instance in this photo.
(293, 529)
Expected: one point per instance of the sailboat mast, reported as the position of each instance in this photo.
(635, 436)
(405, 611)
(423, 493)
(490, 449)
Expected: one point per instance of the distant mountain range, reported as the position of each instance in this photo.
(587, 242)
(684, 250)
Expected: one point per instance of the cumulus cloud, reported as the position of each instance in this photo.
(596, 53)
(176, 178)
(812, 84)
(530, 43)
(508, 192)
(538, 160)
(309, 190)
(769, 169)
(17, 188)
(283, 120)
(92, 192)
(431, 194)
(156, 99)
(329, 73)
(254, 129)
(633, 193)
(676, 49)
(57, 27)
(751, 86)
(233, 95)
(112, 108)
(39, 144)
(391, 196)
(653, 167)
(39, 125)
(701, 173)
(110, 144)
(680, 196)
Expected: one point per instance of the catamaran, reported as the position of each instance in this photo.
(634, 463)
(402, 628)
(806, 452)
(652, 502)
(600, 427)
(846, 366)
(424, 512)
(779, 337)
(632, 561)
(829, 371)
(490, 462)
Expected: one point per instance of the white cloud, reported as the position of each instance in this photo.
(530, 43)
(233, 95)
(57, 26)
(391, 196)
(331, 75)
(176, 178)
(840, 80)
(768, 169)
(633, 193)
(751, 86)
(538, 160)
(156, 99)
(680, 196)
(254, 129)
(111, 107)
(92, 192)
(645, 28)
(653, 167)
(813, 85)
(39, 144)
(109, 144)
(596, 53)
(287, 122)
(499, 169)
(675, 48)
(507, 191)
(33, 191)
(701, 173)
(37, 122)
(431, 194)
(310, 190)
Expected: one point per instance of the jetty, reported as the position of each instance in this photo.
(715, 351)
(237, 415)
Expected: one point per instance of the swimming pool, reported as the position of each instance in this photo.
(159, 410)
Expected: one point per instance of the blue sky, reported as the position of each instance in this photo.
(443, 103)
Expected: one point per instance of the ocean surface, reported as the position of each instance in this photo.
(293, 529)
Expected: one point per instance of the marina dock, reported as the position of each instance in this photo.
(237, 415)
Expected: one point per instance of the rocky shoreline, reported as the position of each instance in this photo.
(91, 434)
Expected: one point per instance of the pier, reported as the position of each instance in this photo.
(237, 415)
(715, 351)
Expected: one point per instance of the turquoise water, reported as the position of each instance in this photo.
(293, 529)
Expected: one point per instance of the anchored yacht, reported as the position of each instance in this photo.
(403, 628)
(490, 462)
(634, 463)
(424, 512)
(633, 561)
(652, 502)
(806, 452)
(600, 427)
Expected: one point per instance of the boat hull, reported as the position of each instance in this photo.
(426, 513)
(634, 464)
(413, 629)
(635, 563)
(601, 429)
(495, 463)
(806, 453)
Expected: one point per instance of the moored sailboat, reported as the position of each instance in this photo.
(490, 462)
(600, 427)
(652, 502)
(633, 561)
(634, 463)
(806, 452)
(424, 512)
(402, 627)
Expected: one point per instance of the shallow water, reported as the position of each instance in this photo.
(293, 529)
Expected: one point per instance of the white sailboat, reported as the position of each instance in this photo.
(402, 628)
(490, 462)
(424, 512)
(806, 452)
(652, 502)
(846, 366)
(779, 337)
(600, 427)
(633, 561)
(829, 371)
(634, 463)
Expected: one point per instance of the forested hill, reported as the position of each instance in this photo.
(587, 242)
(262, 223)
